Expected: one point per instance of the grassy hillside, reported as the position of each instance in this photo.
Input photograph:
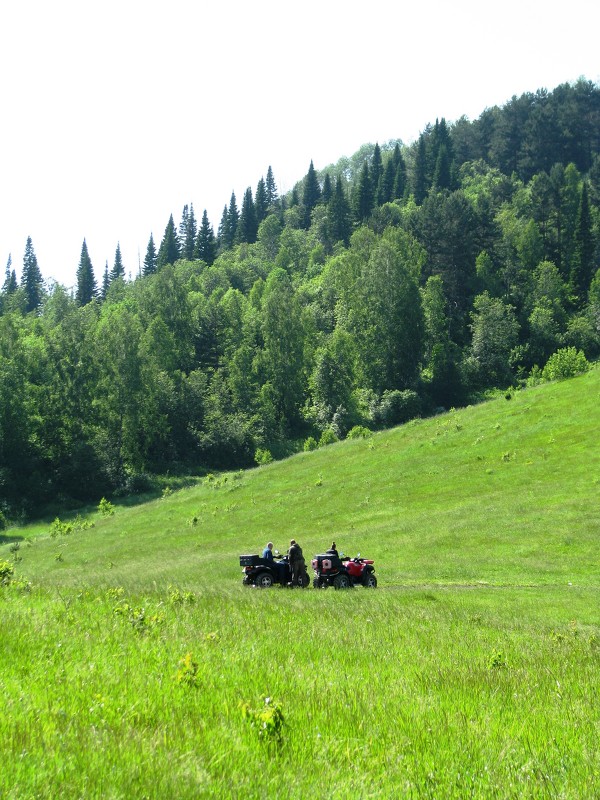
(502, 493)
(134, 664)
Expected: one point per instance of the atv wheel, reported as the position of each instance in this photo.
(264, 580)
(320, 583)
(370, 582)
(342, 581)
(304, 580)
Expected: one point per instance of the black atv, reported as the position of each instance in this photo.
(257, 571)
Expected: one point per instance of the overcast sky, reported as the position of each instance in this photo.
(115, 114)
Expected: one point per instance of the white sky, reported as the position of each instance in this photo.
(115, 114)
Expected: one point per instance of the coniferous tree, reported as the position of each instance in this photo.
(86, 281)
(400, 176)
(31, 279)
(247, 227)
(327, 189)
(260, 201)
(442, 176)
(205, 244)
(151, 258)
(311, 194)
(188, 230)
(376, 170)
(339, 214)
(223, 234)
(581, 271)
(10, 281)
(419, 182)
(385, 188)
(233, 216)
(105, 282)
(183, 223)
(364, 195)
(118, 270)
(271, 188)
(170, 249)
(440, 156)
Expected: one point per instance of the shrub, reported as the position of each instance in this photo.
(535, 376)
(60, 528)
(327, 437)
(187, 674)
(359, 432)
(106, 508)
(3, 522)
(565, 363)
(267, 721)
(6, 572)
(310, 444)
(396, 407)
(263, 456)
(138, 482)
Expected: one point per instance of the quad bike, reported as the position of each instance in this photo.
(257, 571)
(344, 572)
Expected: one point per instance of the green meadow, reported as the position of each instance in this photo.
(134, 664)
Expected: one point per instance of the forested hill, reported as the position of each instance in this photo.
(390, 284)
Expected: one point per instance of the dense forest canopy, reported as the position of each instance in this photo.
(388, 285)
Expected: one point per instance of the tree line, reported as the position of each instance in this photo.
(393, 283)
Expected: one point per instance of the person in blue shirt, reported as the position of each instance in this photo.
(268, 552)
(269, 558)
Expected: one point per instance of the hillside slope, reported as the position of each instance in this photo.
(501, 493)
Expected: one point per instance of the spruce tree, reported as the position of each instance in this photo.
(86, 282)
(118, 270)
(10, 281)
(233, 216)
(310, 195)
(151, 258)
(31, 279)
(105, 282)
(364, 195)
(400, 176)
(376, 169)
(339, 214)
(183, 223)
(247, 228)
(260, 201)
(385, 188)
(419, 185)
(327, 189)
(188, 230)
(442, 176)
(581, 270)
(170, 250)
(223, 235)
(205, 243)
(271, 188)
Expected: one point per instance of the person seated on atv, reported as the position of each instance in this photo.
(332, 550)
(296, 561)
(270, 559)
(268, 552)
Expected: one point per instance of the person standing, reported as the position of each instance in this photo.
(296, 560)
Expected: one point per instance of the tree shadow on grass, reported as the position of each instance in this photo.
(9, 538)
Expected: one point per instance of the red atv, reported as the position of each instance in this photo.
(344, 572)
